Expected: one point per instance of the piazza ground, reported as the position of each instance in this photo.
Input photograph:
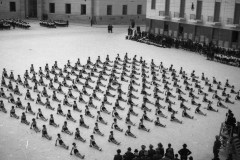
(20, 48)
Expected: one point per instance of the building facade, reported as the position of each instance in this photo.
(99, 11)
(199, 20)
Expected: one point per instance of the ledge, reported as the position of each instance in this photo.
(214, 23)
(195, 21)
(179, 19)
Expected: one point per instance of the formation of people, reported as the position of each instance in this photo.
(53, 23)
(47, 23)
(8, 23)
(4, 24)
(107, 78)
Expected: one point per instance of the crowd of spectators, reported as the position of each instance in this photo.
(231, 121)
(155, 154)
(210, 50)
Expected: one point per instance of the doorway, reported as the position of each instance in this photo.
(32, 8)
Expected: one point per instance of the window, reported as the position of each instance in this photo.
(153, 6)
(167, 7)
(237, 14)
(83, 9)
(199, 10)
(109, 9)
(68, 8)
(182, 9)
(12, 6)
(217, 11)
(124, 10)
(139, 9)
(51, 7)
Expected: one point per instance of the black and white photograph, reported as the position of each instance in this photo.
(120, 79)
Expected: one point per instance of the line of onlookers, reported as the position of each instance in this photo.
(155, 154)
(210, 50)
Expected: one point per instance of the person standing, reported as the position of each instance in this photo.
(176, 157)
(216, 147)
(157, 155)
(109, 26)
(133, 23)
(91, 22)
(128, 155)
(170, 151)
(151, 152)
(161, 149)
(129, 31)
(136, 155)
(118, 156)
(141, 152)
(13, 24)
(184, 152)
(67, 23)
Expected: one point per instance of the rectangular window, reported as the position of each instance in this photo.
(12, 6)
(109, 9)
(51, 7)
(124, 9)
(199, 10)
(237, 13)
(83, 9)
(139, 9)
(68, 8)
(153, 5)
(217, 11)
(167, 7)
(182, 9)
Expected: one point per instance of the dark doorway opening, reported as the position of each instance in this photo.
(166, 26)
(235, 36)
(32, 8)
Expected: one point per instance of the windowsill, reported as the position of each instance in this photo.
(179, 18)
(195, 20)
(232, 25)
(213, 23)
